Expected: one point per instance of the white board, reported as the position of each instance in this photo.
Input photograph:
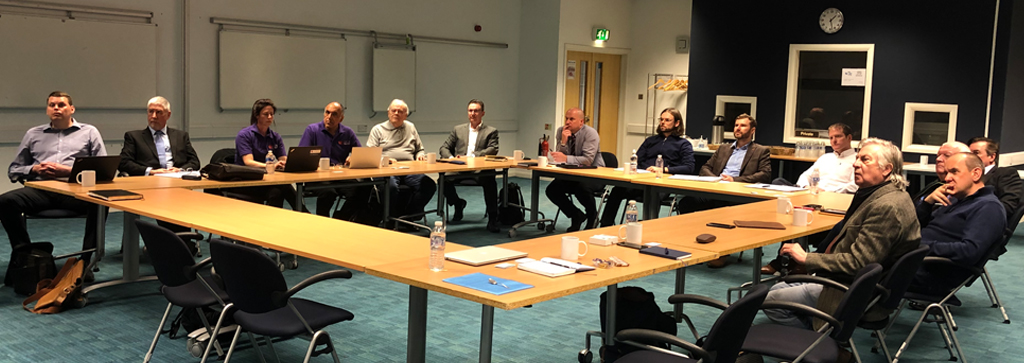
(297, 72)
(101, 65)
(394, 76)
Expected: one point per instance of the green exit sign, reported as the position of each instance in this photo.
(601, 35)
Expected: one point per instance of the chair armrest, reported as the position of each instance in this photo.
(815, 280)
(640, 337)
(190, 236)
(192, 270)
(803, 309)
(282, 298)
(697, 299)
(943, 262)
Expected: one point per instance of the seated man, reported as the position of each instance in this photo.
(961, 221)
(476, 139)
(676, 153)
(836, 168)
(337, 141)
(880, 226)
(1007, 183)
(578, 144)
(158, 149)
(47, 152)
(945, 151)
(401, 142)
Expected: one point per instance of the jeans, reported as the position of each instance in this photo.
(798, 292)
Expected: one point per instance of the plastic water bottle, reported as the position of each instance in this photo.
(632, 163)
(632, 215)
(660, 165)
(813, 182)
(437, 237)
(271, 162)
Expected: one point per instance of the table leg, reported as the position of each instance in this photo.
(757, 266)
(651, 202)
(440, 197)
(677, 309)
(504, 187)
(417, 345)
(297, 206)
(101, 234)
(611, 302)
(534, 195)
(486, 333)
(387, 201)
(130, 247)
(782, 168)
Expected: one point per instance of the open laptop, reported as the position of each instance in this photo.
(365, 158)
(303, 159)
(484, 255)
(105, 167)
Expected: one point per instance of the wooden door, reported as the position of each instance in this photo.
(592, 84)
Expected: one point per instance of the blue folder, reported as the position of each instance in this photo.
(478, 281)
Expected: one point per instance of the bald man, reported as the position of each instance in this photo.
(578, 144)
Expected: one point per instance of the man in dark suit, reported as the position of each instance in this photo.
(1007, 183)
(473, 139)
(157, 148)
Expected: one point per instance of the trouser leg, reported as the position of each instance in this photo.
(423, 189)
(17, 202)
(585, 194)
(798, 292)
(611, 206)
(557, 192)
(450, 195)
(325, 201)
(490, 186)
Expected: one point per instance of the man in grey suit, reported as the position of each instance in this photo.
(473, 139)
(880, 226)
(140, 154)
(578, 144)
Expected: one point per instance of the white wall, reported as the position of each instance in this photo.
(538, 71)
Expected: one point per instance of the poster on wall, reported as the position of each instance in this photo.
(854, 77)
(570, 70)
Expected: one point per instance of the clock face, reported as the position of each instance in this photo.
(831, 20)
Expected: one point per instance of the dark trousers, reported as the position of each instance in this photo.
(325, 199)
(421, 190)
(490, 186)
(558, 192)
(29, 201)
(614, 202)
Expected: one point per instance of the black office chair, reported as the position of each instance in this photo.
(601, 193)
(263, 304)
(178, 275)
(802, 345)
(721, 345)
(1011, 226)
(893, 285)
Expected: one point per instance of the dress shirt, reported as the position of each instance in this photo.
(167, 146)
(250, 141)
(44, 143)
(471, 145)
(835, 170)
(989, 168)
(732, 168)
(337, 147)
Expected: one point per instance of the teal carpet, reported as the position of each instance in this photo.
(118, 323)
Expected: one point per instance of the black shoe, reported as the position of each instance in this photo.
(460, 205)
(577, 222)
(492, 226)
(87, 275)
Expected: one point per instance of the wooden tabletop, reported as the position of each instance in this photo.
(600, 173)
(720, 188)
(415, 272)
(324, 239)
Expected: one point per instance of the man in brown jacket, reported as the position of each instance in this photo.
(880, 226)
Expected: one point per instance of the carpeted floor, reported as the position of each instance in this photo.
(118, 323)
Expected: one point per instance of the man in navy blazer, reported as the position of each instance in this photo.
(140, 156)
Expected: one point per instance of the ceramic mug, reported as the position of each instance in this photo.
(431, 158)
(571, 248)
(542, 161)
(518, 155)
(802, 217)
(325, 164)
(634, 232)
(783, 206)
(87, 178)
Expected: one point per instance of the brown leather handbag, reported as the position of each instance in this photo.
(60, 293)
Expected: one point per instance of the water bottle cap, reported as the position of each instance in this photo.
(438, 223)
(632, 202)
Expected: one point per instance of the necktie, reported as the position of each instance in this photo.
(571, 144)
(161, 150)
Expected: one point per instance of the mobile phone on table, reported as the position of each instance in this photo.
(834, 211)
(721, 225)
(631, 245)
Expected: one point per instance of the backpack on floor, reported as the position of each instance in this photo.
(29, 264)
(635, 309)
(510, 215)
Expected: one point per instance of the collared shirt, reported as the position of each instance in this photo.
(167, 146)
(471, 145)
(835, 170)
(250, 141)
(45, 143)
(989, 168)
(337, 147)
(735, 163)
(401, 143)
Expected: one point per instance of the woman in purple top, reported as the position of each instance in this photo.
(251, 147)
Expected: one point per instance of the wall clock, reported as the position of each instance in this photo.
(831, 20)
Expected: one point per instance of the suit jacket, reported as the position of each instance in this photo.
(756, 167)
(1008, 188)
(139, 151)
(458, 141)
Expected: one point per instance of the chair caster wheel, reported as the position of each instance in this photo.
(512, 233)
(585, 356)
(82, 300)
(293, 265)
(550, 228)
(540, 226)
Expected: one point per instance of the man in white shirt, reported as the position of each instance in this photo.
(836, 168)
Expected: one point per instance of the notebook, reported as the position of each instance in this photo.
(482, 282)
(759, 224)
(483, 255)
(105, 167)
(303, 159)
(365, 158)
(115, 195)
(665, 253)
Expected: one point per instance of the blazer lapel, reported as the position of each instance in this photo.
(150, 143)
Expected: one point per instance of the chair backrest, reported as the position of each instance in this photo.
(899, 277)
(250, 277)
(223, 156)
(1011, 226)
(171, 256)
(609, 159)
(856, 300)
(726, 337)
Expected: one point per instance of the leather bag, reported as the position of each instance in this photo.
(61, 293)
(231, 172)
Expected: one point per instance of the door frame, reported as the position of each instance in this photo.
(560, 89)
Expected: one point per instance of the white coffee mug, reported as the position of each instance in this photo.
(634, 232)
(542, 161)
(802, 217)
(271, 167)
(518, 155)
(87, 178)
(325, 164)
(783, 206)
(571, 248)
(431, 158)
(924, 160)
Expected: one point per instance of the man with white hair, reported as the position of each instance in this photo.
(401, 142)
(945, 151)
(157, 148)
